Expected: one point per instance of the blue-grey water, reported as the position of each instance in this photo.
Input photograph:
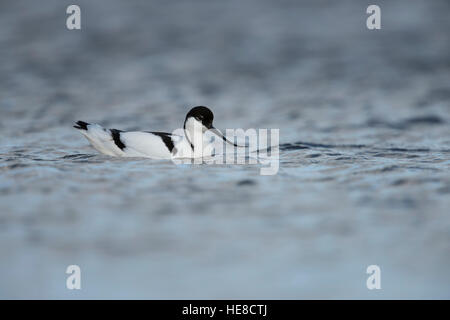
(364, 160)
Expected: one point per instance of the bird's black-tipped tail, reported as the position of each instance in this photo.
(81, 125)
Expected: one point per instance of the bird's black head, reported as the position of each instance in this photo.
(204, 116)
(201, 114)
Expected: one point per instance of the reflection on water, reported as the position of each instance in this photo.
(364, 155)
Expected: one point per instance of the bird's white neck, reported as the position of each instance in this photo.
(194, 132)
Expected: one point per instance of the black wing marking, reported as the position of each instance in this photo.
(166, 138)
(81, 125)
(116, 137)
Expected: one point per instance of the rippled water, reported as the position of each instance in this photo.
(364, 156)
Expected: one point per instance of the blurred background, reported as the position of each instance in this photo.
(365, 149)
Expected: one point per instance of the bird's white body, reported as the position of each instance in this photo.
(144, 144)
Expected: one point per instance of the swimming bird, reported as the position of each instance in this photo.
(191, 143)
